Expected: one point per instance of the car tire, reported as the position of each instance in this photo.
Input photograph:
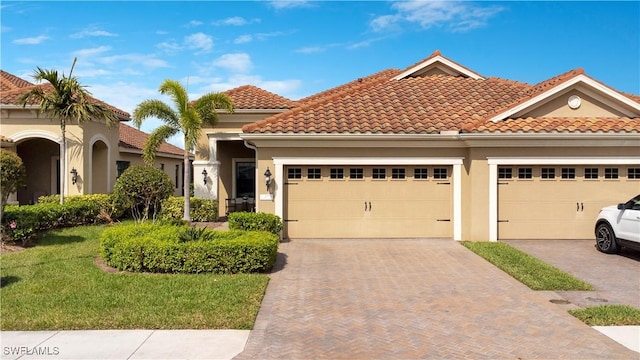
(606, 239)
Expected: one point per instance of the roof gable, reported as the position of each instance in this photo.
(577, 80)
(436, 64)
(251, 97)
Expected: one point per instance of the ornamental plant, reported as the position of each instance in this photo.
(142, 188)
(12, 176)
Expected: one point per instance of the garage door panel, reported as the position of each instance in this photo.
(557, 208)
(367, 207)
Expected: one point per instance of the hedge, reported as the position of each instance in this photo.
(21, 223)
(202, 210)
(255, 222)
(106, 202)
(160, 248)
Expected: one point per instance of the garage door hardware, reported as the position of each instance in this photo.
(443, 219)
(579, 206)
(443, 183)
(365, 206)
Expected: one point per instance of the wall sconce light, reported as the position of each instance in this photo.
(74, 176)
(267, 178)
(204, 176)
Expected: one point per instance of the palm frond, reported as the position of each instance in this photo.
(158, 109)
(177, 93)
(209, 103)
(155, 139)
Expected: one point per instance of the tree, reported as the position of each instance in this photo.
(187, 118)
(142, 189)
(64, 99)
(12, 176)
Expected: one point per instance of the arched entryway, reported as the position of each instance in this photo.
(99, 168)
(41, 158)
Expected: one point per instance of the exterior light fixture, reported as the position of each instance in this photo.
(74, 176)
(267, 178)
(204, 176)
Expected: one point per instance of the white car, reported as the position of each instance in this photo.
(618, 226)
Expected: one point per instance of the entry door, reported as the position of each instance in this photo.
(245, 179)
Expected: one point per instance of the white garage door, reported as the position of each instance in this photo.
(368, 201)
(559, 202)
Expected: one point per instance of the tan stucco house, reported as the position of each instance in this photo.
(434, 150)
(97, 154)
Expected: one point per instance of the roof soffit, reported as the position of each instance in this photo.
(582, 83)
(441, 63)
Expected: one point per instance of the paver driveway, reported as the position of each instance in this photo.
(408, 299)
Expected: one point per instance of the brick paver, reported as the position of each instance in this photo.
(409, 299)
(616, 278)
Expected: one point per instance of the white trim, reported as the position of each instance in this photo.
(493, 176)
(443, 61)
(456, 162)
(341, 136)
(93, 140)
(563, 86)
(30, 134)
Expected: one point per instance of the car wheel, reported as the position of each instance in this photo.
(606, 239)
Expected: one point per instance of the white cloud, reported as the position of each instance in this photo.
(91, 52)
(31, 40)
(311, 50)
(235, 21)
(194, 23)
(453, 15)
(199, 41)
(239, 62)
(287, 4)
(149, 61)
(170, 47)
(91, 33)
(243, 39)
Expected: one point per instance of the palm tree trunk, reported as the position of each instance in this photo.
(63, 163)
(187, 184)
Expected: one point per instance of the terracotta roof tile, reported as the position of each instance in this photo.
(251, 97)
(16, 87)
(133, 138)
(422, 105)
(11, 82)
(562, 125)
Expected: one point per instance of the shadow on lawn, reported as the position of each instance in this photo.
(8, 280)
(57, 239)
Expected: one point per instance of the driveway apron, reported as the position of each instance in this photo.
(409, 299)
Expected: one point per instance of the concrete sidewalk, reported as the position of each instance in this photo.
(169, 344)
(123, 344)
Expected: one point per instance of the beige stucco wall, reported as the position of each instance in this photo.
(558, 107)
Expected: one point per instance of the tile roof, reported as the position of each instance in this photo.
(11, 82)
(427, 105)
(133, 138)
(14, 87)
(251, 97)
(560, 125)
(415, 105)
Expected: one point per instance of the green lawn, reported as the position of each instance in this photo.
(525, 268)
(608, 315)
(56, 285)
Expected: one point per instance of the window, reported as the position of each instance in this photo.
(162, 166)
(397, 173)
(525, 173)
(420, 173)
(121, 166)
(440, 173)
(505, 173)
(591, 173)
(610, 173)
(314, 173)
(336, 173)
(356, 173)
(633, 173)
(294, 173)
(177, 179)
(548, 173)
(379, 173)
(568, 173)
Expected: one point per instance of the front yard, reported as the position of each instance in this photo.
(58, 285)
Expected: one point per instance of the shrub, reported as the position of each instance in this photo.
(255, 221)
(159, 248)
(109, 208)
(12, 176)
(202, 210)
(21, 223)
(142, 189)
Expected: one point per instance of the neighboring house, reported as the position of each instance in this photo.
(435, 150)
(96, 154)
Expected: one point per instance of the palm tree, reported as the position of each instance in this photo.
(64, 99)
(187, 118)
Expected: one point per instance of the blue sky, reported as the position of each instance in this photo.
(297, 48)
